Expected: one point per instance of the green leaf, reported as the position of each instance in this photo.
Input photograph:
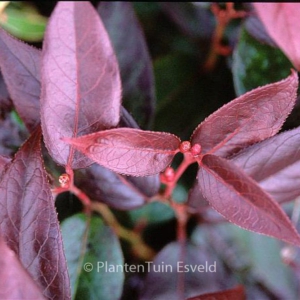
(152, 213)
(94, 258)
(256, 64)
(24, 22)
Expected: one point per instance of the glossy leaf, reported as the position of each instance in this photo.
(20, 66)
(133, 57)
(237, 293)
(28, 220)
(15, 282)
(248, 119)
(80, 80)
(282, 23)
(256, 64)
(172, 267)
(275, 164)
(129, 151)
(101, 246)
(241, 201)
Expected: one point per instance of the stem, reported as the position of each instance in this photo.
(223, 17)
(187, 160)
(138, 245)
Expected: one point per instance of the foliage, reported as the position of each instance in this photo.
(144, 213)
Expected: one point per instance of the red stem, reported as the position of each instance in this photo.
(187, 160)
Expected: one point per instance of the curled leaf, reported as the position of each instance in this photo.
(129, 151)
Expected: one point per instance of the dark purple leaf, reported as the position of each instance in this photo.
(28, 220)
(20, 66)
(196, 200)
(129, 151)
(282, 23)
(12, 135)
(5, 101)
(15, 282)
(241, 201)
(193, 20)
(133, 57)
(285, 185)
(275, 164)
(237, 293)
(126, 120)
(164, 284)
(248, 119)
(103, 185)
(81, 87)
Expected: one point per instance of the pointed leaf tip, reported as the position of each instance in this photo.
(248, 119)
(241, 201)
(81, 87)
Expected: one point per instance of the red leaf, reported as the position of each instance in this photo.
(282, 23)
(241, 201)
(15, 283)
(237, 293)
(248, 119)
(80, 80)
(133, 57)
(129, 151)
(20, 65)
(275, 164)
(28, 220)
